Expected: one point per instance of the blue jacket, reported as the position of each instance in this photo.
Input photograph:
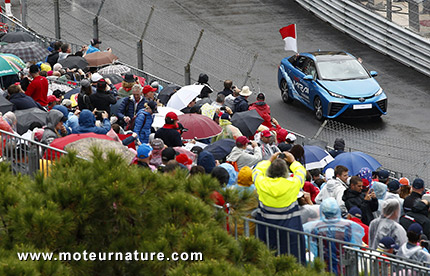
(21, 101)
(129, 111)
(240, 104)
(87, 123)
(143, 127)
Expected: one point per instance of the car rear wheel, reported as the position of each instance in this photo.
(284, 92)
(318, 109)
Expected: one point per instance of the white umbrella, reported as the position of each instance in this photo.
(184, 96)
(161, 115)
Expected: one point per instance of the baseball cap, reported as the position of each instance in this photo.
(183, 159)
(95, 41)
(155, 84)
(143, 151)
(291, 137)
(383, 175)
(172, 115)
(418, 183)
(157, 144)
(266, 133)
(300, 194)
(148, 88)
(85, 83)
(355, 211)
(225, 116)
(101, 84)
(415, 228)
(52, 98)
(153, 106)
(242, 139)
(404, 181)
(393, 185)
(96, 77)
(387, 243)
(168, 154)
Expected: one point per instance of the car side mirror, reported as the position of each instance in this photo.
(309, 78)
(373, 73)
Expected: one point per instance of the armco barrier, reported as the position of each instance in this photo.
(373, 30)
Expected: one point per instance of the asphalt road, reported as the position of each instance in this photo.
(254, 25)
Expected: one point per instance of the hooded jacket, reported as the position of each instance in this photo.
(72, 122)
(231, 172)
(50, 133)
(87, 123)
(333, 188)
(240, 104)
(331, 225)
(263, 110)
(21, 101)
(353, 198)
(419, 214)
(142, 125)
(207, 161)
(414, 252)
(243, 158)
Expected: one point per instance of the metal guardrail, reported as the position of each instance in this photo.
(26, 156)
(374, 30)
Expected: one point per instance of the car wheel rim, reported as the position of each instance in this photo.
(318, 108)
(284, 89)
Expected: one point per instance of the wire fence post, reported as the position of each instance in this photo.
(24, 13)
(188, 66)
(140, 42)
(389, 10)
(57, 19)
(248, 74)
(96, 21)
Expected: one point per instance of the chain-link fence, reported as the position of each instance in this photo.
(411, 14)
(167, 45)
(400, 154)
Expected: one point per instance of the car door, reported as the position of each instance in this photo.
(301, 68)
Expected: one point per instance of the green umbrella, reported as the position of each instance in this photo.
(7, 68)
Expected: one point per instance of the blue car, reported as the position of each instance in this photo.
(332, 84)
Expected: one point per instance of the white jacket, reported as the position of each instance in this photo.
(333, 188)
(243, 158)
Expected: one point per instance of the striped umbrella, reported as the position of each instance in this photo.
(27, 51)
(14, 60)
(114, 69)
(9, 66)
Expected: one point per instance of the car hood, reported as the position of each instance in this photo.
(352, 88)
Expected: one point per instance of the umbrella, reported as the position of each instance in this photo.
(316, 157)
(114, 69)
(74, 62)
(100, 58)
(27, 51)
(354, 161)
(161, 115)
(114, 78)
(7, 68)
(184, 96)
(140, 80)
(17, 37)
(221, 148)
(15, 61)
(5, 105)
(199, 126)
(26, 117)
(167, 92)
(247, 121)
(61, 143)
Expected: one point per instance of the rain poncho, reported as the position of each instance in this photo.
(334, 188)
(331, 225)
(50, 132)
(387, 226)
(414, 252)
(231, 172)
(380, 190)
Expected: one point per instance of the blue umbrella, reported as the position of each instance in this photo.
(316, 157)
(354, 161)
(221, 148)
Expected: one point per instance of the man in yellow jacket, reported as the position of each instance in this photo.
(277, 192)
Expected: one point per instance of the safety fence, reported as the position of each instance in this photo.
(405, 157)
(374, 30)
(340, 257)
(27, 156)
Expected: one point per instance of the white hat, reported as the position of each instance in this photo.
(96, 77)
(291, 137)
(245, 91)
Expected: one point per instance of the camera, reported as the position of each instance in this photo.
(282, 156)
(222, 108)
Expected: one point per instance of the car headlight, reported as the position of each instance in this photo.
(335, 95)
(378, 93)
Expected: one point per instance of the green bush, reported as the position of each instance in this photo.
(107, 206)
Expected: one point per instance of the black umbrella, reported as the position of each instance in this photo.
(17, 37)
(114, 78)
(247, 121)
(221, 148)
(26, 117)
(69, 94)
(167, 92)
(5, 105)
(74, 62)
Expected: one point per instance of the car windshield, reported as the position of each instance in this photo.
(341, 69)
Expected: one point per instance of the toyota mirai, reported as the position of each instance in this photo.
(332, 84)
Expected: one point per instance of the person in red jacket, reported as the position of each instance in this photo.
(354, 214)
(38, 88)
(263, 109)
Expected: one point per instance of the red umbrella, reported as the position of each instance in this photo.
(60, 143)
(199, 126)
(141, 81)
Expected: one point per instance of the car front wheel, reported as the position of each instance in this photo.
(318, 109)
(284, 92)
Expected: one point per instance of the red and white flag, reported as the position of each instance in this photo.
(289, 35)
